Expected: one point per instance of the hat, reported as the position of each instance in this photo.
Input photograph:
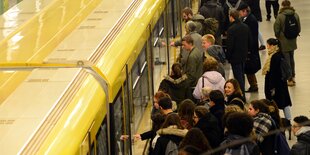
(191, 26)
(243, 6)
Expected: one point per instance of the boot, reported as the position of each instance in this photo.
(253, 83)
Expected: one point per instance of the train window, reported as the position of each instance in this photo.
(159, 50)
(118, 125)
(102, 139)
(173, 19)
(140, 90)
(142, 59)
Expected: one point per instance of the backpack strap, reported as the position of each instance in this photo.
(228, 4)
(237, 99)
(236, 5)
(203, 84)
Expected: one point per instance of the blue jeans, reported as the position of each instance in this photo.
(238, 71)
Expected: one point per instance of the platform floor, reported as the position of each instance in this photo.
(299, 93)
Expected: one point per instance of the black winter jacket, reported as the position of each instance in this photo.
(209, 126)
(177, 88)
(238, 42)
(253, 60)
(273, 81)
(302, 147)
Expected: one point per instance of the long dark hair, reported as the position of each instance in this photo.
(186, 111)
(261, 106)
(177, 70)
(172, 119)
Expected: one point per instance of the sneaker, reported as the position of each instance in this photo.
(262, 47)
(252, 89)
(290, 83)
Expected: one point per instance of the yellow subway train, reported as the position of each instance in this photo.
(75, 75)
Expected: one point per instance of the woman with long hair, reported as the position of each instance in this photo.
(262, 125)
(233, 92)
(171, 132)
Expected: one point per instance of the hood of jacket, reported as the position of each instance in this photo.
(213, 77)
(210, 4)
(176, 81)
(287, 10)
(232, 137)
(303, 134)
(217, 52)
(172, 130)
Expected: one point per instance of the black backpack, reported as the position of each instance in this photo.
(291, 29)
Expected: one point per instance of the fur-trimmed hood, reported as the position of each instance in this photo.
(172, 130)
(176, 81)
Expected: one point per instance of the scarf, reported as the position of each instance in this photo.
(271, 51)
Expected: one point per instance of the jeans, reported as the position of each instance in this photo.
(287, 112)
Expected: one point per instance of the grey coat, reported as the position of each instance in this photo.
(193, 66)
(286, 44)
(197, 43)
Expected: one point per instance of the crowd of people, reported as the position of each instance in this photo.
(198, 110)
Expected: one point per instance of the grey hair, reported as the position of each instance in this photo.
(191, 26)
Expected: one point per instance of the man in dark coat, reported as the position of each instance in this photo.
(252, 64)
(301, 128)
(238, 40)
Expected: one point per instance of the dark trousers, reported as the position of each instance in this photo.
(289, 56)
(238, 71)
(275, 5)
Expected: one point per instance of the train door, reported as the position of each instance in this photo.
(129, 106)
(160, 49)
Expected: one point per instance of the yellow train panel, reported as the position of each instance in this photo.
(87, 106)
(35, 39)
(129, 43)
